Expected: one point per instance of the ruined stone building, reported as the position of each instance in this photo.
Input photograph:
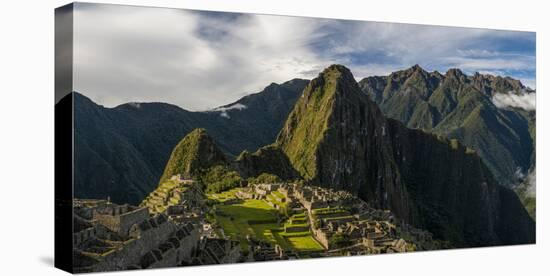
(111, 237)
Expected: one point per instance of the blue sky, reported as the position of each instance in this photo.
(200, 60)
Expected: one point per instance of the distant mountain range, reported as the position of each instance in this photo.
(461, 107)
(336, 137)
(121, 152)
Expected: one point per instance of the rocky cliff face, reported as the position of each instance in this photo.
(195, 152)
(337, 137)
(460, 107)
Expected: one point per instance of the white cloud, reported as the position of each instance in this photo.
(532, 183)
(483, 64)
(236, 106)
(526, 101)
(130, 54)
(224, 110)
(200, 60)
(530, 180)
(519, 173)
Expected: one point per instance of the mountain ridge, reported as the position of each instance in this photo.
(141, 144)
(425, 179)
(131, 143)
(460, 107)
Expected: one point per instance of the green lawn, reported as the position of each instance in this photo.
(233, 219)
(265, 231)
(304, 243)
(256, 218)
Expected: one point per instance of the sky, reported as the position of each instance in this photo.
(200, 60)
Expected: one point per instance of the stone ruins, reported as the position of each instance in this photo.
(170, 228)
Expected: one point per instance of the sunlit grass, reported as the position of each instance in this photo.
(256, 218)
(304, 243)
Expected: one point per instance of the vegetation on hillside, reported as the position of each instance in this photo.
(194, 153)
(337, 137)
(461, 107)
(268, 159)
(219, 178)
(307, 123)
(129, 145)
(264, 178)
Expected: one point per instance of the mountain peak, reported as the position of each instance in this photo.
(337, 67)
(196, 151)
(331, 103)
(337, 77)
(335, 80)
(403, 75)
(417, 68)
(497, 84)
(456, 73)
(337, 72)
(336, 137)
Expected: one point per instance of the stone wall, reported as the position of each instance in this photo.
(119, 221)
(131, 251)
(84, 235)
(321, 237)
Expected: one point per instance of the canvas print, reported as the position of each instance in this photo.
(189, 137)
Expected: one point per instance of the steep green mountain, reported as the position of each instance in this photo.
(121, 152)
(337, 137)
(195, 152)
(197, 156)
(460, 107)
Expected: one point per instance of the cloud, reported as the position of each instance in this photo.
(223, 110)
(389, 47)
(197, 60)
(529, 180)
(200, 60)
(532, 183)
(482, 64)
(526, 101)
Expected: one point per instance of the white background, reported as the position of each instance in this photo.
(27, 141)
